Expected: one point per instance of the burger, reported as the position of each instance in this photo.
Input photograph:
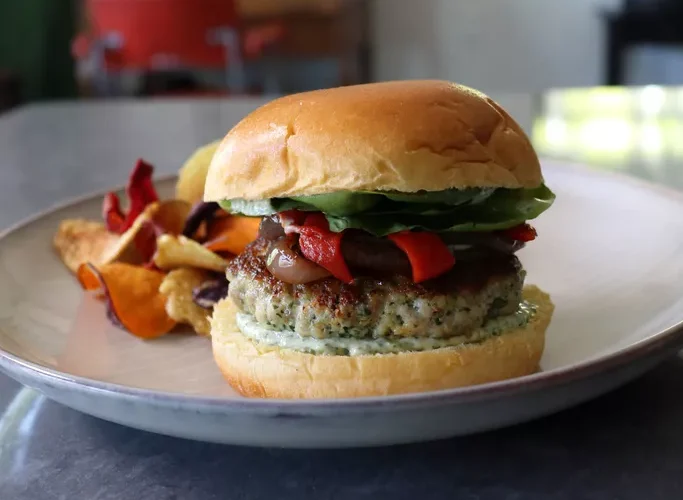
(386, 261)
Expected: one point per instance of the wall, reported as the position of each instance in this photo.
(494, 45)
(35, 46)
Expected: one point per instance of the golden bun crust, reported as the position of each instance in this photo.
(192, 175)
(271, 372)
(405, 136)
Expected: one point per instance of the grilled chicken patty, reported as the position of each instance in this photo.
(455, 303)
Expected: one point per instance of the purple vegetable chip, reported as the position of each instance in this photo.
(208, 293)
(202, 211)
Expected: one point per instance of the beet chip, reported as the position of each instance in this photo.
(140, 192)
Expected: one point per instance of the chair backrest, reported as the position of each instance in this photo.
(154, 34)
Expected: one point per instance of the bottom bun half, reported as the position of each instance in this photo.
(256, 370)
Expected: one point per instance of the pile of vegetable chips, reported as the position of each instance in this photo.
(159, 262)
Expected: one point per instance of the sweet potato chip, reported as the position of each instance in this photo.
(177, 287)
(170, 215)
(232, 233)
(164, 217)
(89, 277)
(78, 240)
(132, 295)
(139, 240)
(178, 251)
(126, 244)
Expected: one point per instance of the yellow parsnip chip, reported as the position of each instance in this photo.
(178, 251)
(177, 287)
(79, 240)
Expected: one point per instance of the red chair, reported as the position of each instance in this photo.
(154, 35)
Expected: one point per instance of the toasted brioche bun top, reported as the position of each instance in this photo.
(404, 136)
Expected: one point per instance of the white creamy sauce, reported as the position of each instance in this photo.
(354, 347)
(251, 207)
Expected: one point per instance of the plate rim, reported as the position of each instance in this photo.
(660, 341)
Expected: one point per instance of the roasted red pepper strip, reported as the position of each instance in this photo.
(294, 218)
(140, 191)
(428, 255)
(111, 213)
(523, 232)
(322, 246)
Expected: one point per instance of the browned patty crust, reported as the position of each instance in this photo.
(452, 304)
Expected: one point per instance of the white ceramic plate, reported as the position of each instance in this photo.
(610, 252)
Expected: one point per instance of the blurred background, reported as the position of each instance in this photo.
(571, 60)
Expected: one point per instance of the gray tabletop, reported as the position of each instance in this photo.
(626, 445)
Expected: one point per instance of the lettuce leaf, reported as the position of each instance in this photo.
(446, 197)
(342, 203)
(351, 203)
(468, 210)
(503, 209)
